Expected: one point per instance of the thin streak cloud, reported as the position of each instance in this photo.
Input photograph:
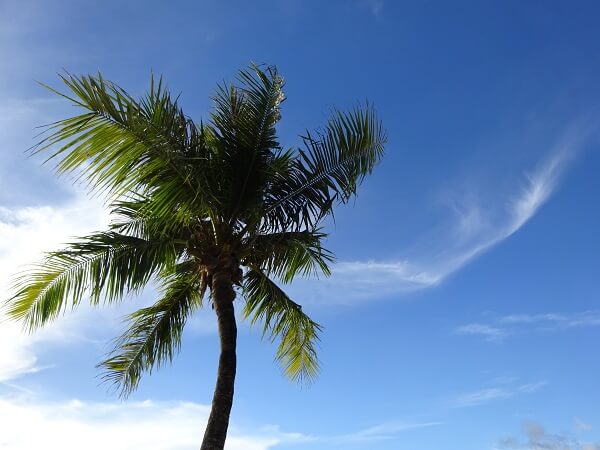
(381, 432)
(473, 230)
(494, 393)
(500, 328)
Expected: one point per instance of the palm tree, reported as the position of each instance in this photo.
(217, 206)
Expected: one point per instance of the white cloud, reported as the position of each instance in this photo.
(586, 319)
(537, 438)
(375, 6)
(355, 281)
(487, 395)
(518, 324)
(477, 224)
(581, 425)
(531, 318)
(381, 432)
(74, 424)
(482, 396)
(491, 333)
(24, 234)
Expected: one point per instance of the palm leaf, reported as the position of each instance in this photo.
(333, 164)
(153, 335)
(119, 142)
(283, 318)
(244, 122)
(104, 264)
(287, 254)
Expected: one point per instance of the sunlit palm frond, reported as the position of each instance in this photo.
(119, 142)
(287, 254)
(135, 216)
(153, 334)
(107, 265)
(283, 318)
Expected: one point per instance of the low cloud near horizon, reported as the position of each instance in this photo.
(73, 425)
(537, 438)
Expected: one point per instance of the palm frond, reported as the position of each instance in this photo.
(283, 318)
(289, 253)
(153, 335)
(264, 95)
(119, 142)
(188, 198)
(331, 167)
(244, 121)
(129, 217)
(136, 215)
(107, 265)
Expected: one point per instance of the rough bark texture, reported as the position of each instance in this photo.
(218, 421)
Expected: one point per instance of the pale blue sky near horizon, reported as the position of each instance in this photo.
(463, 310)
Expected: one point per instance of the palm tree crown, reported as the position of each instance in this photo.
(215, 206)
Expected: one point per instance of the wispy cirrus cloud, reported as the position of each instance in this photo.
(489, 332)
(502, 327)
(497, 392)
(581, 425)
(476, 225)
(374, 6)
(381, 432)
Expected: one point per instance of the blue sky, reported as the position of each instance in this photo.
(463, 312)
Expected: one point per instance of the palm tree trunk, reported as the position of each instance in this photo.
(218, 421)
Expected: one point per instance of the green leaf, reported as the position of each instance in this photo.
(153, 335)
(244, 122)
(283, 318)
(119, 143)
(287, 254)
(104, 264)
(333, 164)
